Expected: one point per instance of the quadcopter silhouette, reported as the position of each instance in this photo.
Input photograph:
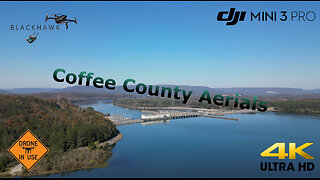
(28, 149)
(62, 19)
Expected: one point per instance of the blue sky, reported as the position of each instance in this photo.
(178, 43)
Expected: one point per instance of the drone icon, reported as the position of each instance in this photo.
(61, 19)
(28, 149)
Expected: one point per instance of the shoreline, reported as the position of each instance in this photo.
(112, 141)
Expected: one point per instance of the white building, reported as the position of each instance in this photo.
(154, 116)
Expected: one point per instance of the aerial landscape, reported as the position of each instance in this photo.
(159, 89)
(82, 137)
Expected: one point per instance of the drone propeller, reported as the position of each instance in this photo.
(75, 20)
(54, 14)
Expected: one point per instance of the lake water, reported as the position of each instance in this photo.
(205, 147)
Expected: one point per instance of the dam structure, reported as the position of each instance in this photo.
(162, 116)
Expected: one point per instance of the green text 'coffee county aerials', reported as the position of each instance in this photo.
(85, 78)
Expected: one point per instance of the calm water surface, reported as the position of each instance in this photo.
(205, 147)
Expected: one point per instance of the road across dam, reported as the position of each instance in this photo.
(163, 115)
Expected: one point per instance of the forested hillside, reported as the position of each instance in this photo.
(301, 106)
(61, 125)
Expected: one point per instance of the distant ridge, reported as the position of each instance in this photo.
(197, 90)
(28, 90)
(265, 91)
(4, 92)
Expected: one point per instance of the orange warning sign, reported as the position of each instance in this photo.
(28, 150)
